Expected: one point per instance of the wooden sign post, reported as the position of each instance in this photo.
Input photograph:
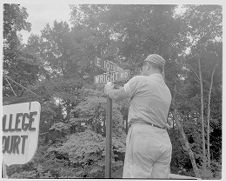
(113, 74)
(108, 148)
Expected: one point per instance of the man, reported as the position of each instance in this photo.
(148, 146)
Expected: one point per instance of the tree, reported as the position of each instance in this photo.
(205, 27)
(129, 33)
(17, 63)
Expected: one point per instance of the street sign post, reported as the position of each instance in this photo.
(114, 74)
(108, 147)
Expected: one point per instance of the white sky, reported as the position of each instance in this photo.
(41, 14)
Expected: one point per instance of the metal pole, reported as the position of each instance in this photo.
(108, 147)
(126, 125)
(4, 171)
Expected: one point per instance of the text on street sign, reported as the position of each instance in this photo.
(107, 66)
(111, 77)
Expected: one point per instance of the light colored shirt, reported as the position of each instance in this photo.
(150, 99)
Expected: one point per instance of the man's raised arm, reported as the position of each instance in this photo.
(115, 93)
(127, 91)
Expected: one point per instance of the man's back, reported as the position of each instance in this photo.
(150, 99)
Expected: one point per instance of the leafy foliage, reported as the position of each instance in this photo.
(17, 63)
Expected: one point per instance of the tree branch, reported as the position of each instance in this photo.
(21, 85)
(11, 87)
(196, 75)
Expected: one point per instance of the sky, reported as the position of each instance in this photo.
(41, 14)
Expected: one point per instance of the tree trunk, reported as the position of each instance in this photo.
(181, 130)
(187, 145)
(208, 117)
(202, 116)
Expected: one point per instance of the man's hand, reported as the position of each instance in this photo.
(108, 87)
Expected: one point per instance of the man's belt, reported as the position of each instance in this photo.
(134, 121)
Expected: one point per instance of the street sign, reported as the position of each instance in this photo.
(20, 128)
(107, 66)
(111, 77)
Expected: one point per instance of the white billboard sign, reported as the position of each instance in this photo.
(20, 128)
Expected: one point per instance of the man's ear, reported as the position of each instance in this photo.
(150, 67)
(147, 66)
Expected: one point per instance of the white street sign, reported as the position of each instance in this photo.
(107, 66)
(20, 128)
(111, 77)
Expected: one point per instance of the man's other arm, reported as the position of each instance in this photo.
(117, 93)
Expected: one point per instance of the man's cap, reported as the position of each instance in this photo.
(156, 59)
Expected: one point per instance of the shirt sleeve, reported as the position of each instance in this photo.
(131, 86)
